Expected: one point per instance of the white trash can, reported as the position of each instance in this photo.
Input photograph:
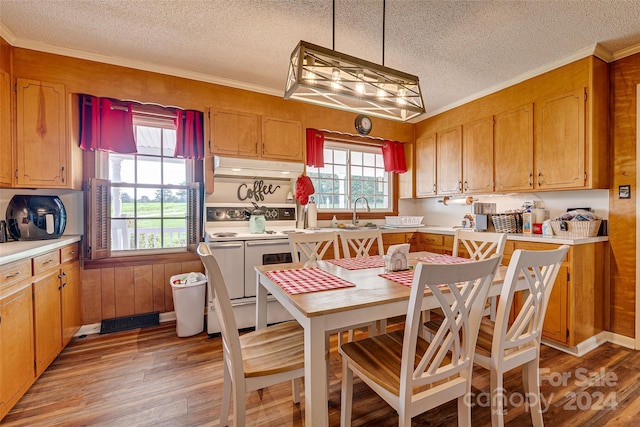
(188, 301)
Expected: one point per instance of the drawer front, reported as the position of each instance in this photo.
(393, 238)
(46, 261)
(69, 253)
(15, 271)
(431, 239)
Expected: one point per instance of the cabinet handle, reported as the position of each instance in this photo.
(60, 278)
(47, 261)
(9, 276)
(460, 185)
(466, 186)
(66, 279)
(531, 179)
(539, 180)
(434, 188)
(62, 173)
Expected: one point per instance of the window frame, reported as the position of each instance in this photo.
(98, 196)
(344, 214)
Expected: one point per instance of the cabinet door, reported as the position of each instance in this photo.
(16, 347)
(71, 301)
(477, 156)
(234, 133)
(513, 149)
(560, 141)
(282, 139)
(41, 143)
(449, 161)
(6, 167)
(48, 324)
(555, 319)
(426, 166)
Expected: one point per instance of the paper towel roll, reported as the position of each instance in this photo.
(312, 215)
(539, 215)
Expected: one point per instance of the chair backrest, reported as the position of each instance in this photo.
(222, 306)
(479, 245)
(539, 269)
(313, 245)
(361, 242)
(461, 290)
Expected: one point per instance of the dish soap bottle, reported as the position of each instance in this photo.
(334, 222)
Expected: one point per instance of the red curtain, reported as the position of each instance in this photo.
(393, 157)
(189, 135)
(315, 148)
(106, 125)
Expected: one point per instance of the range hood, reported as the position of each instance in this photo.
(253, 168)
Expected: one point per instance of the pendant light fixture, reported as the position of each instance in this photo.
(332, 79)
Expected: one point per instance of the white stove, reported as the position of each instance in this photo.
(238, 251)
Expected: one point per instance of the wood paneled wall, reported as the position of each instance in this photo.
(125, 290)
(625, 77)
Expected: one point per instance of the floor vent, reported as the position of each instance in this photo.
(129, 322)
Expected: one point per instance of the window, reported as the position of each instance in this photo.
(349, 172)
(144, 203)
(149, 193)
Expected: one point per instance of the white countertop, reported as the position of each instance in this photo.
(15, 250)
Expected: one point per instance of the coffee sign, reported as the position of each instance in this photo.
(257, 193)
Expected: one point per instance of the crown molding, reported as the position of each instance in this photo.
(623, 53)
(138, 65)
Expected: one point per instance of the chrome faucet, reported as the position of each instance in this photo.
(355, 207)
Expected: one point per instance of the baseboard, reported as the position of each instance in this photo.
(595, 341)
(94, 328)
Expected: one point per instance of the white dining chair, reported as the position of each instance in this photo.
(313, 246)
(256, 359)
(480, 245)
(411, 374)
(502, 346)
(362, 243)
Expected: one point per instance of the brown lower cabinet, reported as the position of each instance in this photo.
(40, 311)
(576, 308)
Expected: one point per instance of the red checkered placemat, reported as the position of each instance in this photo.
(301, 280)
(404, 277)
(443, 259)
(359, 263)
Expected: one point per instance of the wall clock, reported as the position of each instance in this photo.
(363, 124)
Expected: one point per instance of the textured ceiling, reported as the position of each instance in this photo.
(459, 49)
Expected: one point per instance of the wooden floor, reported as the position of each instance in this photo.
(150, 377)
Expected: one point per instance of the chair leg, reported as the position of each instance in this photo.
(226, 396)
(295, 389)
(346, 398)
(464, 412)
(531, 381)
(240, 404)
(497, 399)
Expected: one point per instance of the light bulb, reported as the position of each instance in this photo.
(360, 83)
(335, 79)
(308, 74)
(402, 96)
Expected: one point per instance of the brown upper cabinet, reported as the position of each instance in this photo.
(560, 141)
(425, 166)
(513, 149)
(242, 134)
(477, 156)
(45, 157)
(6, 167)
(449, 161)
(547, 133)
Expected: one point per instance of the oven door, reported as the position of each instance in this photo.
(230, 257)
(262, 252)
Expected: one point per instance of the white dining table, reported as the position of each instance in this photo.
(372, 298)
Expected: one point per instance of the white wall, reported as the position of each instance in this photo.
(72, 201)
(556, 202)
